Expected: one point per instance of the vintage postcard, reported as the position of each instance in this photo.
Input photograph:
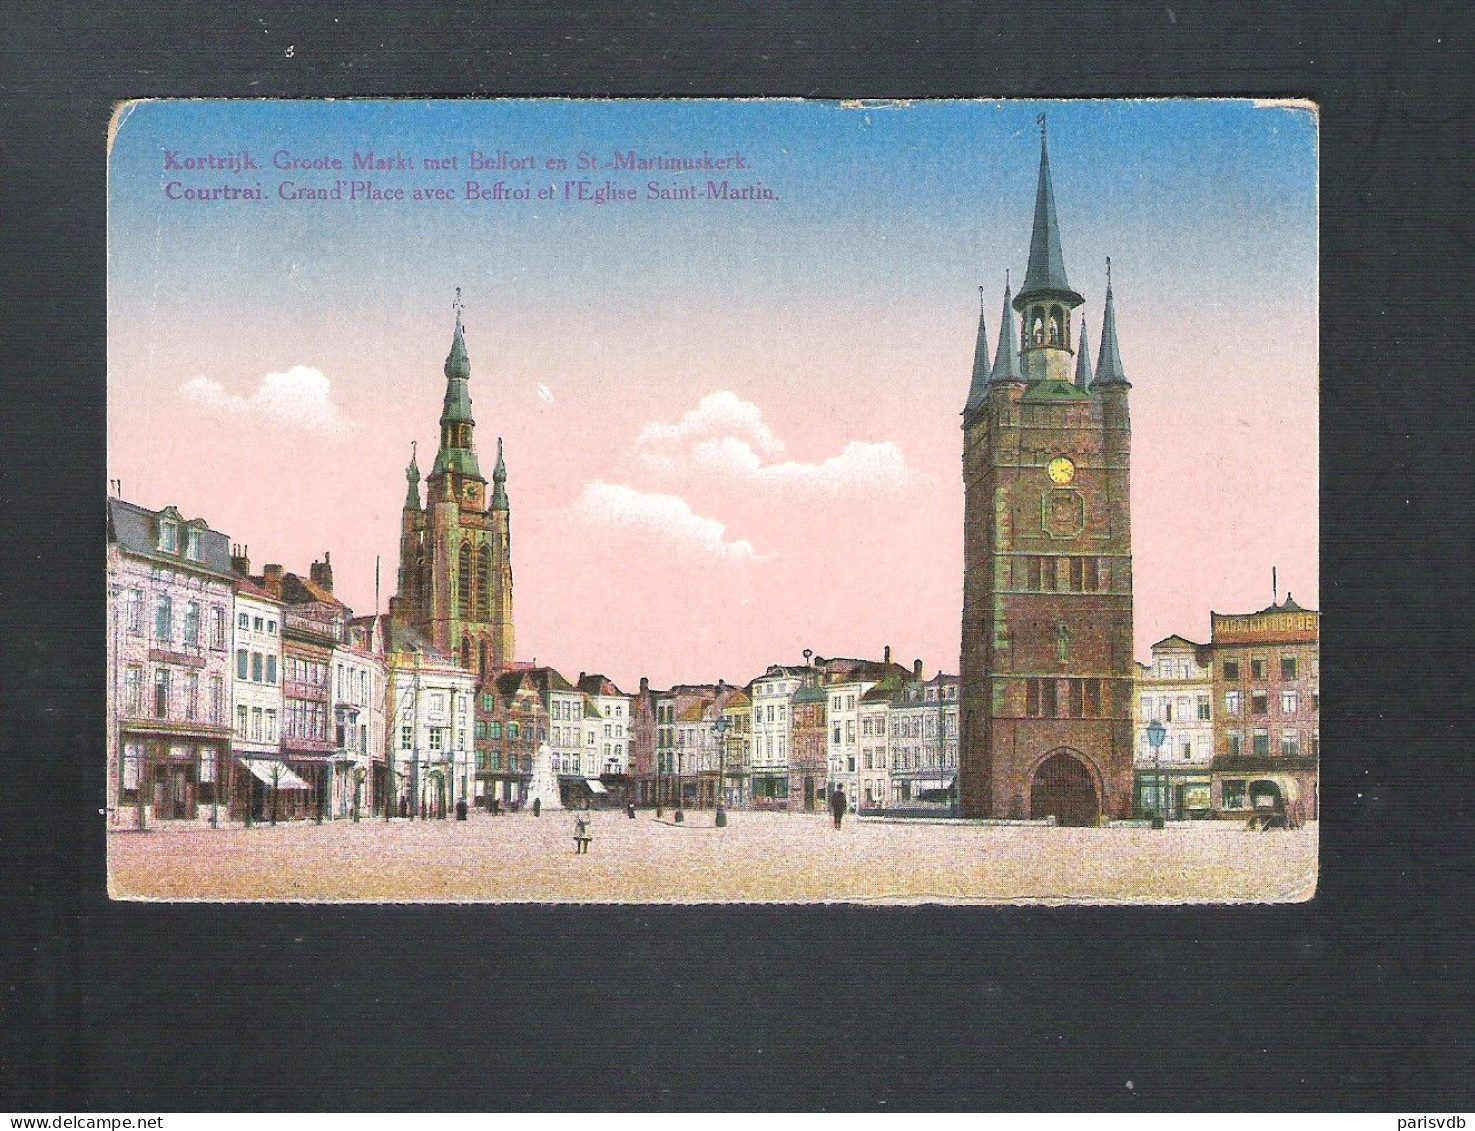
(713, 501)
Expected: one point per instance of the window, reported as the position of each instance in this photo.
(217, 627)
(241, 715)
(217, 699)
(271, 725)
(1032, 698)
(1049, 573)
(133, 689)
(169, 536)
(161, 693)
(1290, 744)
(192, 544)
(850, 702)
(135, 610)
(1288, 667)
(837, 734)
(1233, 702)
(1257, 667)
(406, 737)
(1187, 750)
(1316, 744)
(1316, 699)
(1290, 702)
(243, 622)
(271, 669)
(1235, 744)
(850, 732)
(255, 724)
(1234, 794)
(1167, 710)
(1077, 699)
(514, 731)
(1260, 703)
(132, 759)
(1262, 744)
(1048, 705)
(164, 620)
(191, 695)
(1202, 705)
(1231, 669)
(256, 671)
(1032, 580)
(242, 660)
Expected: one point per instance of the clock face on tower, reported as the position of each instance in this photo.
(471, 492)
(1061, 470)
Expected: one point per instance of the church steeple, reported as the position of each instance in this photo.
(1109, 369)
(457, 452)
(978, 391)
(1006, 358)
(1046, 299)
(1083, 360)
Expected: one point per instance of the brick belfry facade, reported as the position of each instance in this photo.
(1047, 664)
(455, 564)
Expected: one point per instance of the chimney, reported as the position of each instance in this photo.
(644, 684)
(917, 669)
(240, 560)
(322, 572)
(886, 655)
(581, 677)
(271, 577)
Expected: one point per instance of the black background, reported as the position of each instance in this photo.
(1357, 1000)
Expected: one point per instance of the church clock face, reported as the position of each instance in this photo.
(471, 492)
(1061, 470)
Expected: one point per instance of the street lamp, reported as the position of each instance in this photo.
(1155, 736)
(680, 784)
(720, 727)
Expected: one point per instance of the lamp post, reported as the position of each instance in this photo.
(680, 784)
(720, 727)
(1155, 736)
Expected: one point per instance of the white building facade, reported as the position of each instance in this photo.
(1177, 690)
(256, 668)
(433, 712)
(842, 738)
(359, 695)
(770, 694)
(924, 743)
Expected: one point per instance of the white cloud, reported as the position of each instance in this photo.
(670, 516)
(719, 415)
(727, 436)
(302, 397)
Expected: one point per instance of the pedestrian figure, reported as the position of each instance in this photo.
(496, 806)
(630, 809)
(404, 806)
(838, 805)
(581, 835)
(537, 807)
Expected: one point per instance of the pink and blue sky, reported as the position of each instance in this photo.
(731, 428)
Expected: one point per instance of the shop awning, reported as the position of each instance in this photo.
(595, 785)
(273, 773)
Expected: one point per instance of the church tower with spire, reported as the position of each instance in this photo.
(1047, 666)
(455, 572)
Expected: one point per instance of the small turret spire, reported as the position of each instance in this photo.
(1083, 360)
(499, 481)
(1006, 358)
(1109, 369)
(412, 478)
(978, 390)
(458, 364)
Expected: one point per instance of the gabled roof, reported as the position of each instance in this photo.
(135, 529)
(1175, 640)
(547, 680)
(248, 587)
(595, 684)
(737, 700)
(811, 694)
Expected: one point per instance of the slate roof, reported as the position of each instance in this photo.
(1109, 369)
(595, 684)
(135, 529)
(1046, 270)
(978, 390)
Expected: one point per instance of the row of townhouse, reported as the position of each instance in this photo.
(1239, 718)
(235, 696)
(792, 736)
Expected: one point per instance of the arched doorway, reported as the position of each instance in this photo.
(1265, 794)
(1062, 787)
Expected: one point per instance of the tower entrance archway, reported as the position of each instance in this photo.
(1063, 787)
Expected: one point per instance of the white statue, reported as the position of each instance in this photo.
(544, 786)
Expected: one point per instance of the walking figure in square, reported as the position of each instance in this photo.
(838, 805)
(581, 834)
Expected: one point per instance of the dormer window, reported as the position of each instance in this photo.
(192, 544)
(169, 536)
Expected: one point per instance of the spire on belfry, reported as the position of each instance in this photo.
(499, 481)
(1006, 357)
(1046, 271)
(1109, 369)
(412, 477)
(458, 365)
(978, 391)
(1083, 360)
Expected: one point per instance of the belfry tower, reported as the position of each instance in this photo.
(455, 569)
(1047, 668)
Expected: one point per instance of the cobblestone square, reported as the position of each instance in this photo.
(759, 857)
